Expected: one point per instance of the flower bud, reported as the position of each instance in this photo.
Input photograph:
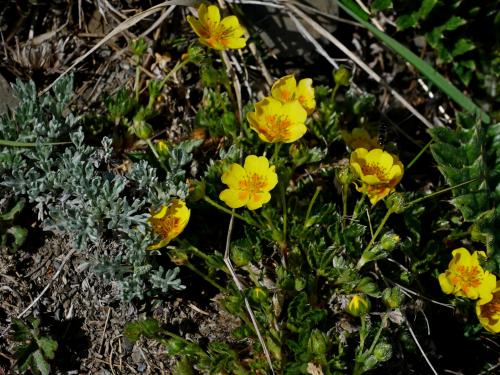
(196, 190)
(178, 257)
(342, 76)
(141, 129)
(395, 203)
(258, 295)
(382, 351)
(345, 175)
(161, 147)
(358, 306)
(318, 342)
(241, 256)
(389, 241)
(392, 297)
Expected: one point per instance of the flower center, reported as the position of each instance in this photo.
(374, 170)
(276, 128)
(467, 277)
(254, 183)
(165, 226)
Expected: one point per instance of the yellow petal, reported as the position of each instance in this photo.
(445, 284)
(231, 27)
(284, 89)
(374, 155)
(211, 17)
(370, 179)
(359, 154)
(234, 198)
(160, 213)
(305, 95)
(294, 111)
(258, 199)
(197, 27)
(295, 131)
(385, 161)
(233, 176)
(256, 164)
(159, 245)
(234, 43)
(488, 285)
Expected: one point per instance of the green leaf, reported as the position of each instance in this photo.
(48, 346)
(21, 332)
(454, 23)
(462, 46)
(40, 363)
(19, 235)
(149, 328)
(427, 70)
(379, 5)
(14, 211)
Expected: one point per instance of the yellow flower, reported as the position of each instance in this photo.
(277, 122)
(249, 185)
(216, 33)
(465, 277)
(488, 311)
(359, 138)
(358, 306)
(378, 170)
(169, 221)
(286, 90)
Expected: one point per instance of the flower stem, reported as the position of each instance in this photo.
(408, 166)
(345, 188)
(283, 203)
(277, 147)
(155, 153)
(205, 277)
(228, 211)
(358, 207)
(409, 204)
(311, 204)
(379, 229)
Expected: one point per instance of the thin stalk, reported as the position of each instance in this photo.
(228, 211)
(174, 70)
(379, 229)
(408, 166)
(377, 336)
(205, 277)
(440, 192)
(311, 203)
(358, 207)
(345, 188)
(155, 153)
(137, 81)
(283, 203)
(277, 147)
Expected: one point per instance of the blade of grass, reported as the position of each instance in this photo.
(428, 71)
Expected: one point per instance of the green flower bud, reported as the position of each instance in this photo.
(318, 342)
(342, 76)
(358, 306)
(395, 202)
(392, 297)
(258, 295)
(141, 129)
(369, 363)
(241, 256)
(196, 190)
(389, 241)
(345, 176)
(382, 351)
(178, 256)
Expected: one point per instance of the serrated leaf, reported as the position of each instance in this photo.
(21, 332)
(40, 363)
(48, 346)
(454, 23)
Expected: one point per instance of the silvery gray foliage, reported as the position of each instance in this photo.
(75, 192)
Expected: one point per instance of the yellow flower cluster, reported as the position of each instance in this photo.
(378, 172)
(466, 278)
(216, 33)
(281, 117)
